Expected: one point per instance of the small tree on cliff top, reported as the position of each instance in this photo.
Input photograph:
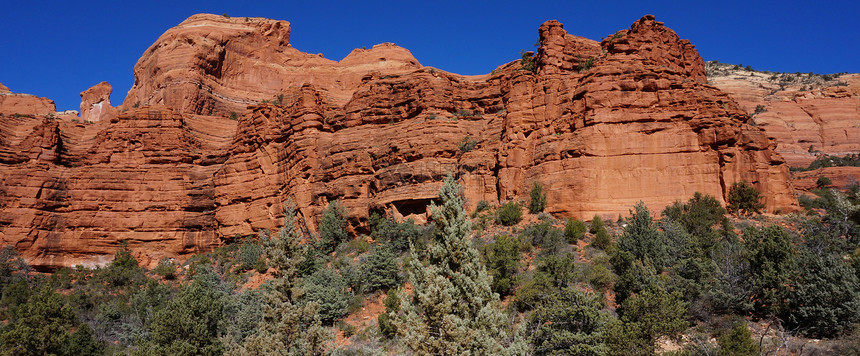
(453, 310)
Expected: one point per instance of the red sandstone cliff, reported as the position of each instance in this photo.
(806, 114)
(600, 125)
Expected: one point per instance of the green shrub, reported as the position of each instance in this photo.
(744, 199)
(737, 342)
(44, 324)
(543, 235)
(191, 322)
(123, 270)
(642, 239)
(166, 269)
(574, 230)
(553, 272)
(773, 265)
(398, 236)
(654, 313)
(311, 261)
(509, 214)
(537, 197)
(825, 301)
(260, 266)
(570, 322)
(467, 144)
(586, 64)
(596, 224)
(347, 329)
(527, 62)
(482, 206)
(823, 182)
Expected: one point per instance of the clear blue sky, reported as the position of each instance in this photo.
(58, 49)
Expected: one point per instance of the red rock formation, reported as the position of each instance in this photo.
(840, 177)
(24, 104)
(805, 114)
(95, 103)
(212, 64)
(601, 125)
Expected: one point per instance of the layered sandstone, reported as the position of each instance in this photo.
(15, 104)
(602, 125)
(806, 114)
(95, 103)
(212, 64)
(841, 178)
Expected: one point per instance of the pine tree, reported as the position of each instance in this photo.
(452, 310)
(289, 326)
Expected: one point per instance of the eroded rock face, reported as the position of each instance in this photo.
(95, 103)
(212, 64)
(806, 115)
(601, 125)
(14, 104)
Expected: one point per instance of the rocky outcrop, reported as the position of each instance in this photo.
(213, 64)
(144, 177)
(601, 125)
(806, 114)
(841, 178)
(95, 103)
(14, 104)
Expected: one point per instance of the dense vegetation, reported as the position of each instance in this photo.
(730, 285)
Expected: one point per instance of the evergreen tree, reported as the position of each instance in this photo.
(642, 239)
(574, 230)
(290, 326)
(570, 323)
(537, 197)
(737, 342)
(332, 227)
(43, 325)
(744, 199)
(773, 265)
(327, 288)
(453, 310)
(191, 322)
(380, 270)
(503, 261)
(602, 240)
(826, 298)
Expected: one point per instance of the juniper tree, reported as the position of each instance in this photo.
(290, 325)
(537, 197)
(744, 199)
(642, 239)
(332, 227)
(452, 310)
